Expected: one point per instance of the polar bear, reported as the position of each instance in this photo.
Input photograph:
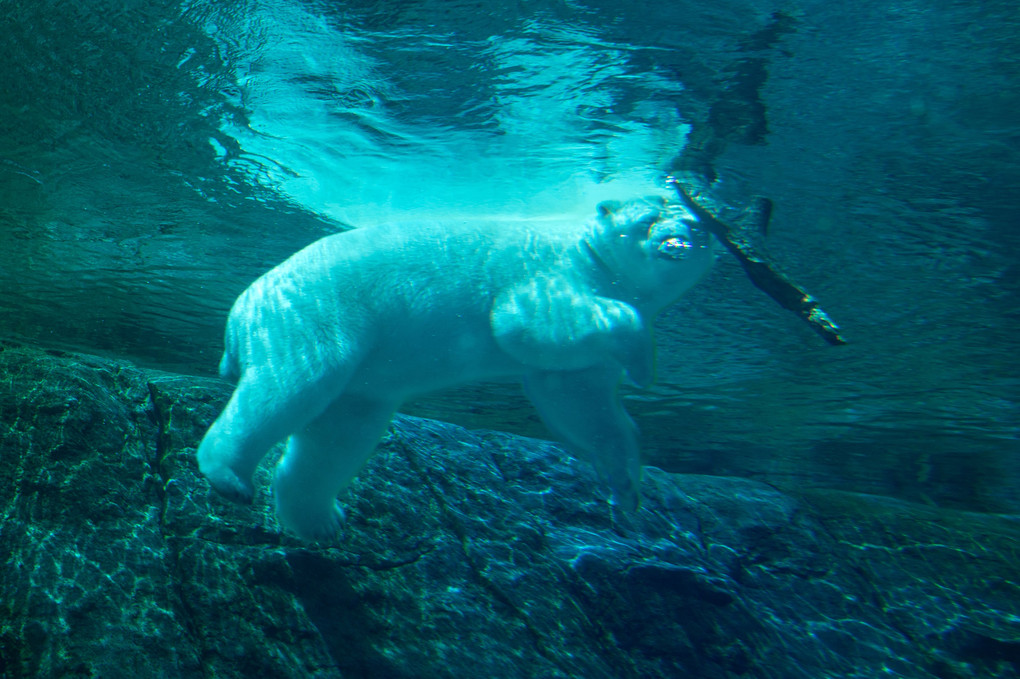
(327, 345)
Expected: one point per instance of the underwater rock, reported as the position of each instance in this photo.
(465, 553)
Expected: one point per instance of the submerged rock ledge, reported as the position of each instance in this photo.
(465, 553)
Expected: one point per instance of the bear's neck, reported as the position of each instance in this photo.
(606, 282)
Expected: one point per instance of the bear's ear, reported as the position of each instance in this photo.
(607, 207)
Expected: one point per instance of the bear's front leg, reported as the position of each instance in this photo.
(320, 461)
(584, 409)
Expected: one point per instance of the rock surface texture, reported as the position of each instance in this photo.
(464, 554)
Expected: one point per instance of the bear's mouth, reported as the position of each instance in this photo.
(675, 247)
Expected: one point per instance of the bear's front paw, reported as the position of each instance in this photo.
(627, 497)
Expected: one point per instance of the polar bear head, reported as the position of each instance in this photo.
(652, 249)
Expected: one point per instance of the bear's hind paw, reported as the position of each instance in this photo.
(313, 527)
(229, 485)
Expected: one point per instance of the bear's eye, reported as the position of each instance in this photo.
(675, 247)
(646, 223)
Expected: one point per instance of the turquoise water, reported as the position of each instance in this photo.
(155, 157)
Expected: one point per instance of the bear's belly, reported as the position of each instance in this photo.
(404, 365)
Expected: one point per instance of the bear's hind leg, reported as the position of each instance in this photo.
(259, 414)
(320, 461)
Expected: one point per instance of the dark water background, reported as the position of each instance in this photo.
(155, 157)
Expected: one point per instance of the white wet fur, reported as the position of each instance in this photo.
(327, 345)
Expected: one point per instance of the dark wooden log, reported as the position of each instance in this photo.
(739, 241)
